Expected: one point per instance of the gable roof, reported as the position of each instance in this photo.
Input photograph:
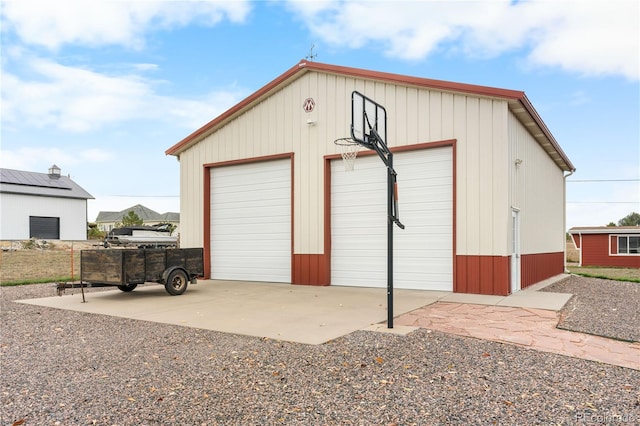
(40, 184)
(518, 103)
(144, 213)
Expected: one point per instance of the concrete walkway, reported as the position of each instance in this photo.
(531, 328)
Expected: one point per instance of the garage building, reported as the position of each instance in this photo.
(47, 206)
(481, 186)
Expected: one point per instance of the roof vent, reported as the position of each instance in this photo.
(54, 172)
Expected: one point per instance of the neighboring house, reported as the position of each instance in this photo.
(106, 221)
(40, 205)
(481, 185)
(616, 246)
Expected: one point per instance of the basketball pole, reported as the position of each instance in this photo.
(390, 198)
(386, 156)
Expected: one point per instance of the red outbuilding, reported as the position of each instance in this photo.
(616, 246)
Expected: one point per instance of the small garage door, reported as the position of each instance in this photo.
(423, 252)
(44, 227)
(251, 222)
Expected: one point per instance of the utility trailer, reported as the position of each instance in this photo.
(126, 268)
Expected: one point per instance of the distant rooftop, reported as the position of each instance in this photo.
(144, 213)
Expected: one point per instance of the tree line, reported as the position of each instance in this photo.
(632, 219)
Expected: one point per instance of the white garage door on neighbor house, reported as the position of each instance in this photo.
(423, 251)
(251, 221)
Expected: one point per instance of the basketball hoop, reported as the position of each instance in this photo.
(349, 150)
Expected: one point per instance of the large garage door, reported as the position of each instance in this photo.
(423, 252)
(251, 222)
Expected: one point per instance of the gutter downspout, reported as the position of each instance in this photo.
(564, 222)
(581, 245)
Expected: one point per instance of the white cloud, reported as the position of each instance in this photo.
(81, 100)
(98, 22)
(38, 159)
(592, 38)
(586, 37)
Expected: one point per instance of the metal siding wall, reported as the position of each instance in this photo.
(16, 210)
(191, 202)
(483, 213)
(540, 266)
(537, 190)
(502, 210)
(595, 252)
(14, 223)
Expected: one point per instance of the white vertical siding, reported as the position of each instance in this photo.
(16, 209)
(537, 190)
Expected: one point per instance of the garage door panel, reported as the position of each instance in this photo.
(251, 222)
(234, 200)
(241, 216)
(423, 253)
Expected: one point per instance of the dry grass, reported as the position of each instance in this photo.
(573, 255)
(619, 274)
(60, 263)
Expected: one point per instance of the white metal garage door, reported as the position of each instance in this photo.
(423, 252)
(251, 222)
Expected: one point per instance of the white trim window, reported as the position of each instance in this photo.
(629, 245)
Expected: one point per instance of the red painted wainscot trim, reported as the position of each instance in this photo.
(206, 200)
(540, 266)
(479, 274)
(310, 269)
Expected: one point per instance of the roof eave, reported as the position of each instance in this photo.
(541, 133)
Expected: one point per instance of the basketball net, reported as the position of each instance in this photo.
(349, 151)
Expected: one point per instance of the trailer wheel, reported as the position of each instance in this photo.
(177, 282)
(127, 288)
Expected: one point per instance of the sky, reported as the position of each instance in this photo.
(103, 88)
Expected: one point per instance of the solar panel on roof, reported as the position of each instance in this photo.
(17, 177)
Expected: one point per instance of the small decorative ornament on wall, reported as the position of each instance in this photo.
(308, 105)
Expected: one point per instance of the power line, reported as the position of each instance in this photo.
(604, 180)
(142, 196)
(603, 202)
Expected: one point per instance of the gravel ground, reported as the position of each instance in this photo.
(601, 307)
(69, 368)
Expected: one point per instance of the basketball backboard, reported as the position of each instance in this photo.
(367, 115)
